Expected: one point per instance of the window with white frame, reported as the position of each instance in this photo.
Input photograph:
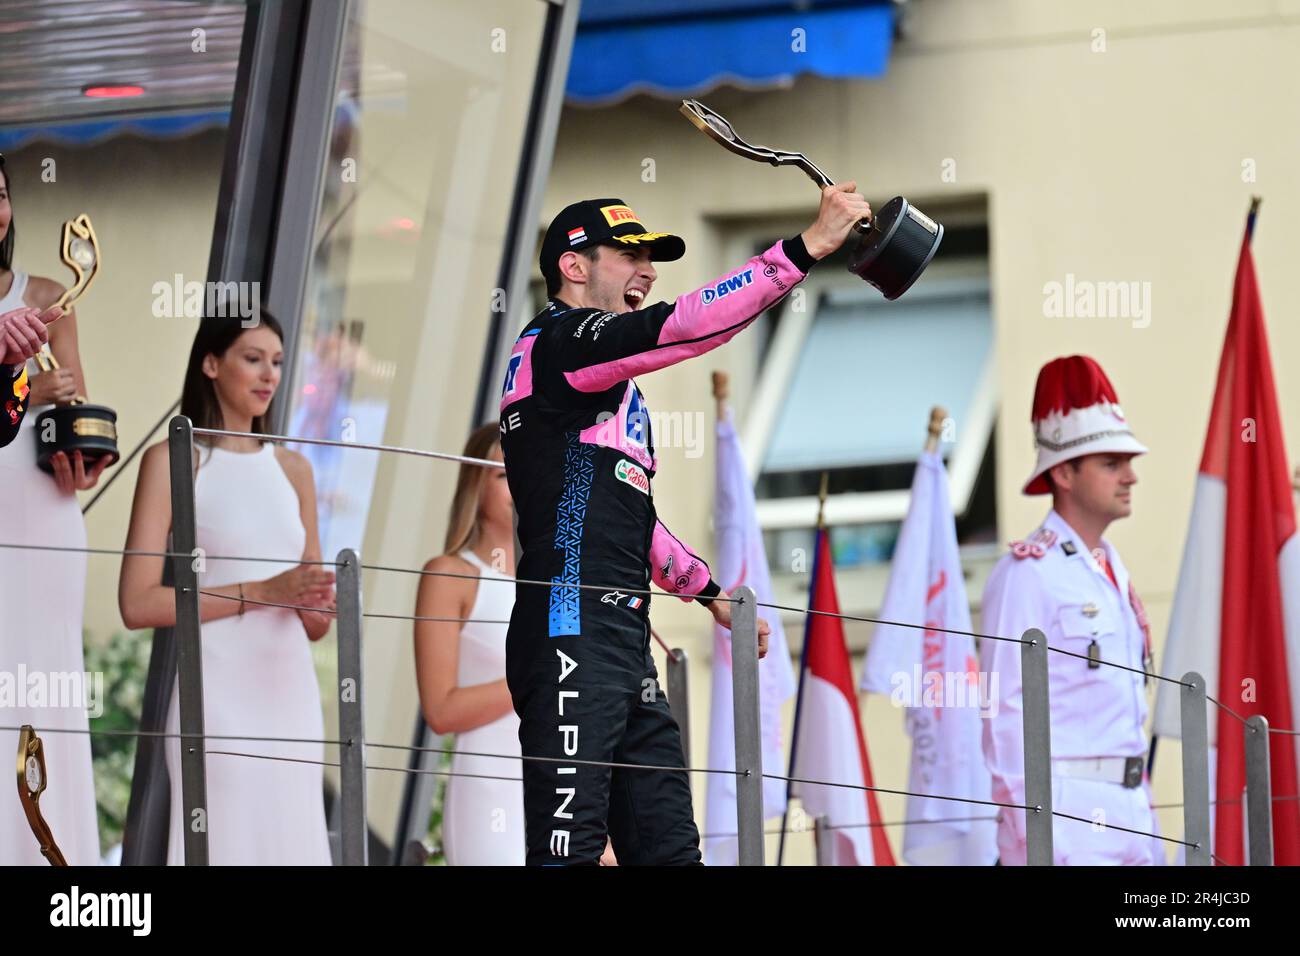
(845, 385)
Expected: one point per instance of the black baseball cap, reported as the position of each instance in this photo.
(594, 222)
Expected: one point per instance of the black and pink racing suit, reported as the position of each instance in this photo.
(579, 459)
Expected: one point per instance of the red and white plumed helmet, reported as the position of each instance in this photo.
(1076, 413)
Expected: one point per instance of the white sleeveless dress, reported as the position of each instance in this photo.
(258, 679)
(42, 595)
(482, 819)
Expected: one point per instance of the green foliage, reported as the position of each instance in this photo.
(437, 857)
(124, 661)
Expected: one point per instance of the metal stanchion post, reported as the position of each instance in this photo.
(823, 835)
(1196, 771)
(188, 636)
(749, 755)
(1259, 793)
(1038, 749)
(352, 734)
(679, 699)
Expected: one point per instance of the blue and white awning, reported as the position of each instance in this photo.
(676, 48)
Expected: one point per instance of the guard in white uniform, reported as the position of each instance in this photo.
(1068, 582)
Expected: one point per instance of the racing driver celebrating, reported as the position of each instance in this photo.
(579, 458)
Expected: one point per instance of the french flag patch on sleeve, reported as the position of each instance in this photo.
(634, 602)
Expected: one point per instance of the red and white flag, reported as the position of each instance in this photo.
(741, 560)
(1236, 613)
(829, 742)
(935, 676)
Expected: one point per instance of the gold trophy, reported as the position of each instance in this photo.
(78, 426)
(31, 784)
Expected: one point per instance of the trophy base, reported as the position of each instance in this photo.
(900, 244)
(89, 429)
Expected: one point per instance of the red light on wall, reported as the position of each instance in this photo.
(112, 92)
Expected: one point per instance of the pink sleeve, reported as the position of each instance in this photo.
(611, 348)
(677, 569)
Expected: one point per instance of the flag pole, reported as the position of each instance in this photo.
(938, 415)
(721, 391)
(1250, 217)
(803, 664)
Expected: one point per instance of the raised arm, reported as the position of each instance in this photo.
(598, 351)
(608, 347)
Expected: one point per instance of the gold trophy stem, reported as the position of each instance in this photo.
(31, 757)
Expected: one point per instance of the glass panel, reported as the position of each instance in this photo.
(429, 123)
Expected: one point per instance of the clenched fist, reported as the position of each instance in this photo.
(841, 209)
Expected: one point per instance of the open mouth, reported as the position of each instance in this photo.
(634, 298)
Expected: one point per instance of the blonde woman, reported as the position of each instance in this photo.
(461, 668)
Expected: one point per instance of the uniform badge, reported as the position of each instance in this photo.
(1069, 548)
(1026, 549)
(1044, 536)
(1091, 610)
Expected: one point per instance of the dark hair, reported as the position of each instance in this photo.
(1074, 464)
(554, 279)
(198, 395)
(7, 245)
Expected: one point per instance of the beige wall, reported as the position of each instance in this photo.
(1123, 165)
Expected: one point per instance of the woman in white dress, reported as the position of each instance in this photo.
(461, 668)
(253, 499)
(42, 593)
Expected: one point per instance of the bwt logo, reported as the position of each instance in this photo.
(726, 286)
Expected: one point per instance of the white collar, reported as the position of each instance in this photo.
(1064, 532)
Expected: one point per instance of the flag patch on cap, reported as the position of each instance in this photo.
(577, 235)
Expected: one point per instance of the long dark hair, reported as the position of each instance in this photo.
(7, 245)
(199, 396)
